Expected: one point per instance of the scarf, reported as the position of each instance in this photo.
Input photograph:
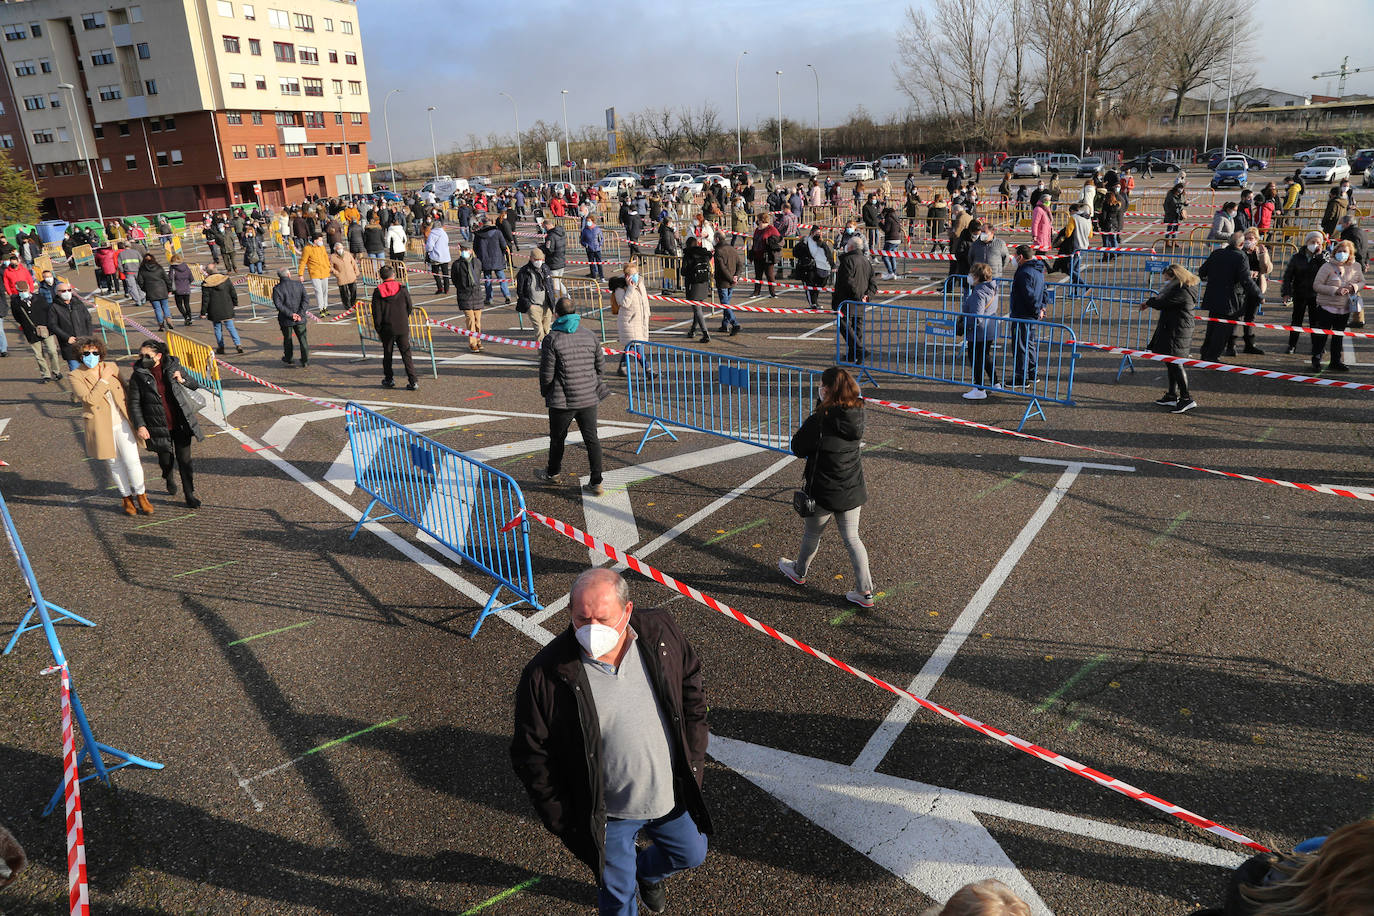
(567, 323)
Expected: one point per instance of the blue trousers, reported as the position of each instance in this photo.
(675, 844)
(499, 274)
(161, 312)
(219, 333)
(727, 317)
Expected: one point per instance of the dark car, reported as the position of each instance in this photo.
(1157, 164)
(1363, 159)
(1215, 156)
(935, 165)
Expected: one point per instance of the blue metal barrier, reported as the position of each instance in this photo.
(45, 610)
(461, 503)
(1029, 359)
(743, 399)
(1133, 268)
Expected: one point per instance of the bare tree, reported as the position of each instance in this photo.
(634, 136)
(1196, 38)
(700, 129)
(944, 60)
(664, 130)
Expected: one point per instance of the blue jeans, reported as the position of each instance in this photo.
(4, 341)
(594, 256)
(255, 267)
(1076, 269)
(1024, 341)
(727, 316)
(675, 844)
(161, 311)
(219, 333)
(890, 261)
(500, 275)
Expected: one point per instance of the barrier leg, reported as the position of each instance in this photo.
(364, 519)
(24, 626)
(865, 374)
(125, 333)
(650, 434)
(433, 366)
(1032, 409)
(95, 751)
(1126, 363)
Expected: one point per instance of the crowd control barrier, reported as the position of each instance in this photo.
(46, 610)
(260, 289)
(461, 503)
(1029, 359)
(746, 400)
(111, 318)
(591, 304)
(199, 360)
(83, 255)
(420, 337)
(1137, 269)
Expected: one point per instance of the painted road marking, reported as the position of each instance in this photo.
(283, 432)
(1077, 676)
(891, 728)
(164, 521)
(509, 892)
(479, 395)
(870, 448)
(245, 782)
(192, 572)
(1000, 485)
(294, 626)
(1268, 431)
(734, 531)
(1173, 526)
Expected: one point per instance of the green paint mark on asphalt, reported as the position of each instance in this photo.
(1000, 485)
(846, 615)
(1173, 526)
(901, 587)
(362, 731)
(734, 531)
(1073, 726)
(164, 521)
(517, 458)
(631, 483)
(192, 572)
(879, 445)
(509, 892)
(1265, 435)
(294, 626)
(1078, 675)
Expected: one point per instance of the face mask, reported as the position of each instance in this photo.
(985, 236)
(633, 278)
(467, 255)
(1341, 256)
(597, 639)
(90, 360)
(147, 362)
(66, 295)
(972, 280)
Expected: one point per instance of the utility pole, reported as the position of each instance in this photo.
(1230, 88)
(519, 146)
(779, 73)
(817, 74)
(739, 145)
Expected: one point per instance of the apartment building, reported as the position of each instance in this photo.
(184, 104)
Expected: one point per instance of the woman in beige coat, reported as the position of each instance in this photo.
(1338, 280)
(345, 269)
(109, 435)
(632, 310)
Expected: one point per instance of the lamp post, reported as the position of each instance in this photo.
(434, 150)
(567, 148)
(343, 132)
(1230, 92)
(817, 74)
(386, 118)
(1083, 115)
(779, 73)
(1207, 124)
(81, 145)
(519, 147)
(739, 145)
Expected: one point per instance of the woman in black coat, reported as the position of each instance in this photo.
(164, 414)
(1173, 335)
(696, 276)
(829, 440)
(152, 279)
(1109, 223)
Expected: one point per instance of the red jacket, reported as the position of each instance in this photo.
(105, 260)
(15, 274)
(556, 207)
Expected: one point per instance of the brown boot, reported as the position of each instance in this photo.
(130, 508)
(143, 505)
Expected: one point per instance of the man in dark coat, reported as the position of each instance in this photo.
(69, 320)
(467, 283)
(555, 246)
(391, 308)
(534, 293)
(163, 414)
(1027, 300)
(854, 281)
(570, 362)
(727, 263)
(288, 297)
(489, 242)
(1351, 232)
(1227, 272)
(610, 740)
(30, 312)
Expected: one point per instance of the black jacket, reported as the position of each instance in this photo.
(152, 279)
(570, 369)
(533, 286)
(355, 239)
(288, 296)
(555, 247)
(556, 747)
(1298, 275)
(696, 266)
(374, 239)
(392, 313)
(218, 298)
(1173, 335)
(69, 319)
(1227, 273)
(1355, 235)
(145, 404)
(854, 278)
(829, 441)
(467, 282)
(489, 245)
(252, 249)
(806, 262)
(26, 315)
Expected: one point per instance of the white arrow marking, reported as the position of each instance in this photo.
(3, 423)
(341, 472)
(233, 400)
(281, 433)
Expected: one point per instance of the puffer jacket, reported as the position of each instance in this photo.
(181, 277)
(315, 262)
(980, 302)
(570, 362)
(1173, 335)
(632, 319)
(467, 283)
(146, 408)
(555, 248)
(153, 279)
(218, 298)
(1298, 275)
(829, 441)
(1332, 277)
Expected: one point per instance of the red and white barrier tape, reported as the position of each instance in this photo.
(1225, 367)
(990, 731)
(78, 891)
(1296, 329)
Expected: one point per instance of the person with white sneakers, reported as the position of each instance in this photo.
(979, 333)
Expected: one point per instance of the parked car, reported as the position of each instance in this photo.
(1063, 162)
(699, 182)
(795, 170)
(858, 171)
(1163, 155)
(718, 170)
(1089, 166)
(1159, 165)
(1368, 178)
(895, 161)
(613, 185)
(1026, 167)
(1216, 156)
(935, 165)
(444, 187)
(1362, 160)
(529, 185)
(675, 180)
(1233, 170)
(742, 172)
(1320, 152)
(1327, 168)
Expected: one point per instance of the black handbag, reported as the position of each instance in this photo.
(802, 501)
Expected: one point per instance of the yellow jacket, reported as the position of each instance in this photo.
(315, 262)
(351, 214)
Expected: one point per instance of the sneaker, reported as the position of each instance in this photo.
(594, 489)
(705, 338)
(1169, 400)
(1184, 406)
(544, 475)
(862, 599)
(412, 386)
(239, 349)
(789, 569)
(286, 362)
(975, 394)
(1339, 367)
(734, 329)
(388, 383)
(653, 896)
(1290, 350)
(1253, 350)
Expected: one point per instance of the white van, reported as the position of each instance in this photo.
(442, 188)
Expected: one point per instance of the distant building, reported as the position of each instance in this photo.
(1265, 98)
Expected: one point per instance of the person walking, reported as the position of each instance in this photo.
(727, 263)
(70, 321)
(181, 277)
(830, 440)
(696, 276)
(1173, 335)
(1029, 293)
(534, 293)
(593, 241)
(218, 302)
(987, 248)
(489, 245)
(1227, 273)
(467, 283)
(1337, 283)
(763, 254)
(395, 243)
(99, 390)
(555, 248)
(30, 312)
(610, 741)
(815, 261)
(129, 260)
(979, 303)
(439, 257)
(288, 298)
(164, 414)
(253, 256)
(1296, 289)
(152, 279)
(315, 268)
(391, 308)
(106, 268)
(1042, 225)
(631, 310)
(570, 364)
(855, 283)
(1261, 266)
(344, 267)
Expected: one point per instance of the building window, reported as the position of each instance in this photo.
(102, 57)
(150, 86)
(355, 148)
(42, 136)
(6, 141)
(24, 68)
(257, 117)
(329, 25)
(15, 31)
(249, 13)
(105, 164)
(286, 119)
(135, 15)
(347, 26)
(155, 124)
(240, 151)
(333, 57)
(226, 9)
(93, 21)
(176, 157)
(314, 87)
(233, 117)
(124, 128)
(44, 65)
(284, 51)
(338, 86)
(259, 80)
(36, 29)
(98, 130)
(254, 46)
(144, 53)
(34, 102)
(314, 118)
(231, 44)
(350, 57)
(110, 93)
(169, 123)
(40, 170)
(355, 117)
(236, 81)
(161, 159)
(289, 85)
(279, 19)
(310, 149)
(304, 22)
(338, 117)
(54, 101)
(355, 87)
(292, 150)
(308, 55)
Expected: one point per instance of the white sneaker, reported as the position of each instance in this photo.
(862, 599)
(975, 394)
(790, 571)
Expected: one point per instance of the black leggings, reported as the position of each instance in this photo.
(179, 457)
(183, 304)
(1321, 318)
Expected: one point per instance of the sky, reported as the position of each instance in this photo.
(457, 56)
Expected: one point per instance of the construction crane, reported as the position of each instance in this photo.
(1342, 73)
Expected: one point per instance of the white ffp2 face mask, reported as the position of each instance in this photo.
(597, 639)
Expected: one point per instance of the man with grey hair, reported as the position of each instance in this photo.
(855, 282)
(1227, 272)
(288, 297)
(610, 740)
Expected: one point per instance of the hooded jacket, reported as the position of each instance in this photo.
(829, 441)
(979, 302)
(1028, 290)
(180, 276)
(218, 298)
(391, 308)
(153, 279)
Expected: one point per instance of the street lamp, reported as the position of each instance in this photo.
(817, 74)
(519, 147)
(1207, 124)
(386, 118)
(81, 145)
(567, 148)
(1083, 116)
(434, 150)
(1230, 92)
(343, 132)
(739, 145)
(779, 73)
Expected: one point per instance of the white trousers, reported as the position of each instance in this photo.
(127, 465)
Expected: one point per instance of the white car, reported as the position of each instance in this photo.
(858, 171)
(1320, 152)
(800, 168)
(1026, 167)
(699, 183)
(895, 161)
(1327, 168)
(612, 185)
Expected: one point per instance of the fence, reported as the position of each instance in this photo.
(260, 288)
(589, 299)
(1132, 268)
(420, 337)
(742, 399)
(199, 360)
(1030, 359)
(463, 504)
(368, 276)
(83, 255)
(111, 318)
